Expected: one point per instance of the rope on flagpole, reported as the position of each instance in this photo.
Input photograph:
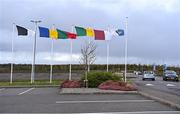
(126, 46)
(12, 52)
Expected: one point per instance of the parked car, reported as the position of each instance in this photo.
(170, 75)
(148, 75)
(137, 73)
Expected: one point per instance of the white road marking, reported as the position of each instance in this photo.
(2, 89)
(140, 112)
(149, 85)
(26, 91)
(109, 101)
(170, 85)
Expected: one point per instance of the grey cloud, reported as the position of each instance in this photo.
(153, 32)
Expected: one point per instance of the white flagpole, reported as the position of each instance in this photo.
(70, 66)
(12, 56)
(52, 56)
(107, 44)
(126, 46)
(70, 59)
(34, 51)
(88, 59)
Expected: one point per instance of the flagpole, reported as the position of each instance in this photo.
(88, 59)
(70, 75)
(107, 44)
(34, 50)
(107, 49)
(12, 56)
(51, 66)
(52, 54)
(126, 46)
(70, 66)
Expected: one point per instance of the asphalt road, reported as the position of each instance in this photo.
(40, 100)
(170, 87)
(48, 100)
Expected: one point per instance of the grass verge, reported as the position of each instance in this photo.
(28, 83)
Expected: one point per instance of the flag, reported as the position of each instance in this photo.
(62, 34)
(164, 67)
(90, 32)
(154, 67)
(108, 35)
(24, 32)
(120, 32)
(99, 35)
(43, 32)
(71, 35)
(80, 31)
(53, 34)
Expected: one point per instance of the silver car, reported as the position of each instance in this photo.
(148, 75)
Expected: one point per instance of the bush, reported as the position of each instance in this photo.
(71, 84)
(96, 78)
(117, 85)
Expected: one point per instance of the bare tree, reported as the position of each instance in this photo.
(88, 56)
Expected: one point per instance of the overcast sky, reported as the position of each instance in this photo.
(153, 29)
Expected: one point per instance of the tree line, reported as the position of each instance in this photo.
(24, 68)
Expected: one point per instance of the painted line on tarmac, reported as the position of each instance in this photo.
(2, 89)
(109, 101)
(26, 91)
(149, 85)
(170, 85)
(140, 112)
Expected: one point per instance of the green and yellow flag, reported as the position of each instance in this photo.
(62, 34)
(80, 31)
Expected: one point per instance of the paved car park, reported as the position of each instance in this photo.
(41, 100)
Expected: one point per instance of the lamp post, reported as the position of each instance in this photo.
(126, 48)
(34, 50)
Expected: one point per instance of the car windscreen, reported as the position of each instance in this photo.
(171, 72)
(148, 72)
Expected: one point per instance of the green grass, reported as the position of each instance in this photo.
(28, 83)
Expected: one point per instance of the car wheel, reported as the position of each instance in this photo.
(143, 79)
(177, 80)
(164, 79)
(153, 79)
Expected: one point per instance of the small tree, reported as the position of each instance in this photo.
(88, 57)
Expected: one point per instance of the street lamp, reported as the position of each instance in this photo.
(34, 50)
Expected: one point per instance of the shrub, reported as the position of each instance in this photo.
(71, 84)
(96, 78)
(117, 85)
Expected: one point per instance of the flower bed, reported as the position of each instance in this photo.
(71, 84)
(117, 85)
